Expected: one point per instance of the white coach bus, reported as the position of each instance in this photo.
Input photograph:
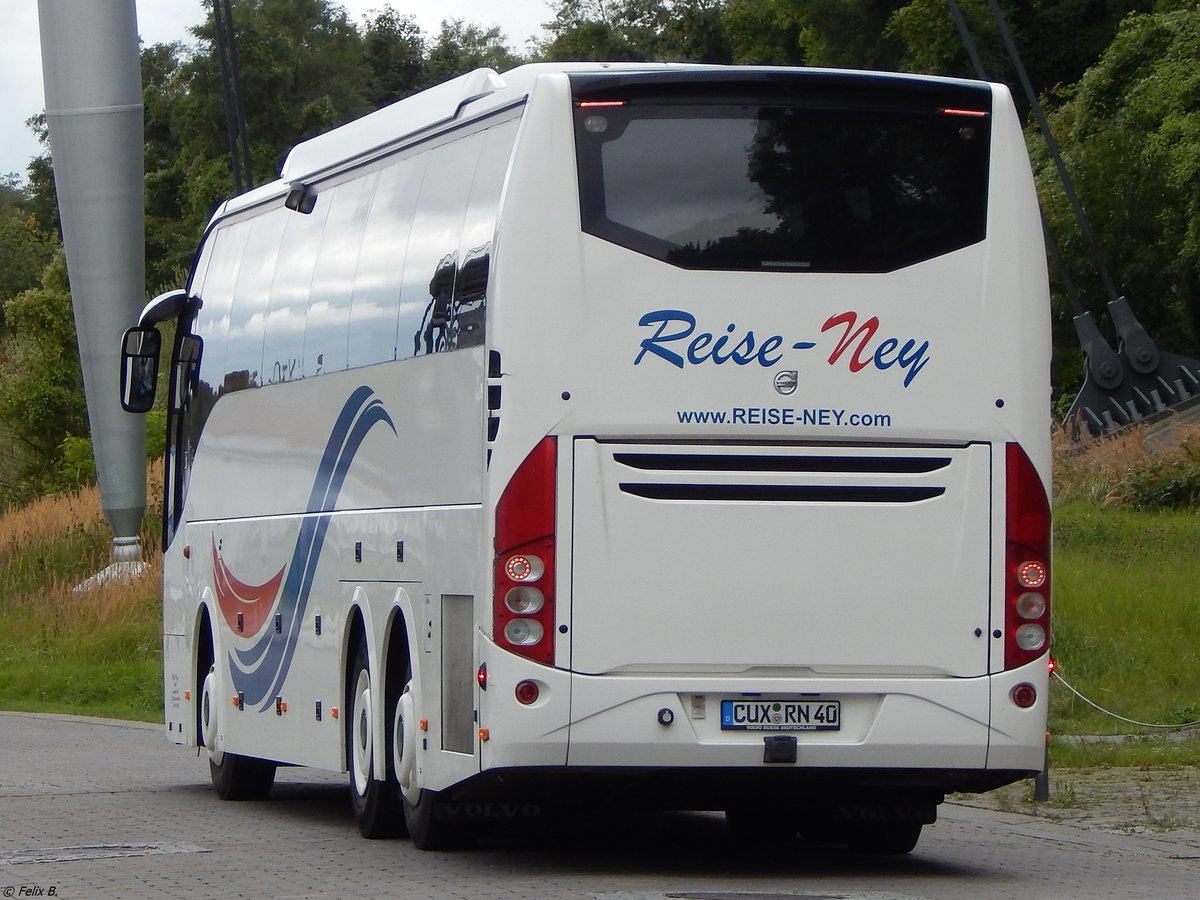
(637, 435)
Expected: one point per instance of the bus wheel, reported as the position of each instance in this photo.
(762, 823)
(375, 803)
(885, 837)
(234, 777)
(404, 744)
(427, 830)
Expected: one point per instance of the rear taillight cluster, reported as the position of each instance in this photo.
(1027, 573)
(523, 598)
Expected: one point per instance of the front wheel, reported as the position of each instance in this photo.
(234, 777)
(241, 777)
(376, 804)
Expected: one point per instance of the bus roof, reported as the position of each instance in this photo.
(382, 129)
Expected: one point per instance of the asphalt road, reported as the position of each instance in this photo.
(93, 808)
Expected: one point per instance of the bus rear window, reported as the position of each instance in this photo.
(784, 184)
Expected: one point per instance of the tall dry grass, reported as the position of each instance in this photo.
(64, 649)
(1130, 468)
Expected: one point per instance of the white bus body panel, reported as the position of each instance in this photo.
(427, 455)
(662, 585)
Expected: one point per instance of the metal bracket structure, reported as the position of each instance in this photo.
(1137, 384)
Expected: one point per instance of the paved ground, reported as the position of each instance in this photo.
(98, 809)
(1160, 800)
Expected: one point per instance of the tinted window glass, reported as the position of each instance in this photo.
(773, 184)
(479, 226)
(328, 322)
(432, 263)
(244, 341)
(283, 342)
(376, 301)
(216, 300)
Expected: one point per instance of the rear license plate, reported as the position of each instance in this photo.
(781, 715)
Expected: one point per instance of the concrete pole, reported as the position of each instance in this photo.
(90, 66)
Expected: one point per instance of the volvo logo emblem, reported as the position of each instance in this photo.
(785, 381)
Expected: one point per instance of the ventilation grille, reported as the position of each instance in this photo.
(873, 489)
(877, 465)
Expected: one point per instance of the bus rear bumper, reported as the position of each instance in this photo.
(634, 787)
(861, 723)
(954, 733)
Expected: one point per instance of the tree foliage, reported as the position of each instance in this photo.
(1130, 132)
(461, 47)
(395, 50)
(1118, 78)
(638, 30)
(25, 248)
(41, 385)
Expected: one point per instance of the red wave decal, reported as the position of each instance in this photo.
(253, 601)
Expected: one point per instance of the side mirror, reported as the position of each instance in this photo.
(139, 368)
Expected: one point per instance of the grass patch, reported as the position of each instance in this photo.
(1126, 613)
(1126, 616)
(95, 652)
(1135, 751)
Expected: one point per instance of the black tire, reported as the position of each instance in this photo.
(241, 777)
(759, 824)
(234, 777)
(429, 831)
(376, 804)
(895, 838)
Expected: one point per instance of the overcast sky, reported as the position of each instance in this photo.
(160, 21)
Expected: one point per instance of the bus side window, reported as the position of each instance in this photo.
(479, 226)
(426, 293)
(376, 302)
(244, 339)
(283, 329)
(328, 322)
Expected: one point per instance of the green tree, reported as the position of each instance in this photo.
(43, 202)
(41, 385)
(25, 249)
(461, 47)
(302, 71)
(634, 30)
(170, 232)
(1057, 39)
(848, 33)
(395, 52)
(1130, 132)
(763, 32)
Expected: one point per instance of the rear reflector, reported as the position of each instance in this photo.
(1024, 695)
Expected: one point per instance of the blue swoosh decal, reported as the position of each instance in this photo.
(259, 670)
